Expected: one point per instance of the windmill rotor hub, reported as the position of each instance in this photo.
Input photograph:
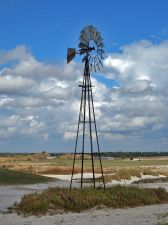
(91, 49)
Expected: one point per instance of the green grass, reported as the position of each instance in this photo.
(9, 177)
(114, 163)
(55, 200)
(106, 163)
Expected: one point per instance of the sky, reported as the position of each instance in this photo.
(39, 96)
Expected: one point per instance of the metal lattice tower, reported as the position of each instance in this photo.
(91, 46)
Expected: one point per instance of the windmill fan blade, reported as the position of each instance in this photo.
(92, 30)
(82, 45)
(91, 63)
(101, 45)
(94, 34)
(95, 66)
(100, 52)
(97, 63)
(84, 39)
(100, 62)
(99, 40)
(87, 31)
(98, 67)
(71, 52)
(97, 36)
(91, 27)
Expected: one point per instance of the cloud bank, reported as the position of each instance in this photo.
(40, 101)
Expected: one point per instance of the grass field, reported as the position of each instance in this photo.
(26, 169)
(120, 168)
(8, 177)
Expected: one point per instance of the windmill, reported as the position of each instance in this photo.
(91, 48)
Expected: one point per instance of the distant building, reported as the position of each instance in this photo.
(135, 159)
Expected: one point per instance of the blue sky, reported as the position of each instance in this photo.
(36, 85)
(48, 27)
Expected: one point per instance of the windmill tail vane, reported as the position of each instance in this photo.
(91, 47)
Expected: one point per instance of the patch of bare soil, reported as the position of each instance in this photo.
(148, 215)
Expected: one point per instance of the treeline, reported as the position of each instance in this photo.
(103, 154)
(132, 154)
(123, 154)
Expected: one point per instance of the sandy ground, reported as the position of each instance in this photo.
(75, 176)
(67, 177)
(148, 215)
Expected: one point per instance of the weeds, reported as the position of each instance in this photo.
(77, 200)
(163, 223)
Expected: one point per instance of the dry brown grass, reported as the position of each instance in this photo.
(43, 169)
(77, 157)
(40, 164)
(67, 170)
(127, 173)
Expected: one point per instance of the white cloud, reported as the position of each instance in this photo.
(41, 100)
(114, 137)
(140, 104)
(14, 84)
(35, 95)
(19, 53)
(141, 61)
(69, 135)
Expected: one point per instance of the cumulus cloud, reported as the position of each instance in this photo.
(11, 84)
(142, 61)
(20, 53)
(69, 135)
(140, 104)
(36, 97)
(14, 125)
(41, 100)
(113, 137)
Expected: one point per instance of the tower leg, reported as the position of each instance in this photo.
(90, 128)
(83, 137)
(77, 135)
(97, 140)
